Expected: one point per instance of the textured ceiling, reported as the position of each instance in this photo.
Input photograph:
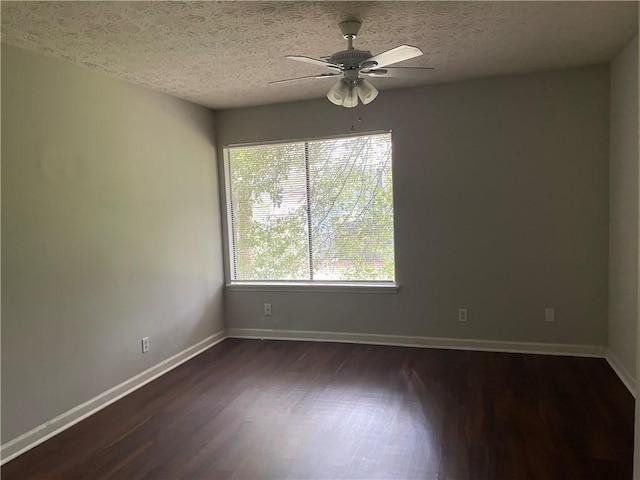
(222, 54)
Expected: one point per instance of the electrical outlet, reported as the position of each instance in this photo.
(549, 315)
(267, 309)
(462, 314)
(145, 344)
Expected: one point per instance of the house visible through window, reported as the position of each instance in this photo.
(316, 210)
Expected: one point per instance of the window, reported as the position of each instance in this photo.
(317, 211)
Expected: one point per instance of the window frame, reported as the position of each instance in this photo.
(325, 286)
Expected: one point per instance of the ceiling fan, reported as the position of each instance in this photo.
(351, 65)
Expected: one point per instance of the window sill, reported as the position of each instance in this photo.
(304, 287)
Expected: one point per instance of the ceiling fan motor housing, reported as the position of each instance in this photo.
(350, 59)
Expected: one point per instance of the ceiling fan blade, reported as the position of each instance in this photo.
(314, 61)
(395, 55)
(323, 75)
(397, 72)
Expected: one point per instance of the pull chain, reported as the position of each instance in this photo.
(353, 123)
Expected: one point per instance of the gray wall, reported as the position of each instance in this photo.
(623, 208)
(501, 207)
(110, 232)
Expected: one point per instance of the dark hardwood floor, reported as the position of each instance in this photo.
(276, 409)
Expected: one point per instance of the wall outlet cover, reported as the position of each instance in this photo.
(549, 315)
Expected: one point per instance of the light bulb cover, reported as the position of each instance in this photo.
(351, 99)
(338, 92)
(366, 91)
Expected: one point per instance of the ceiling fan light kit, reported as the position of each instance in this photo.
(346, 95)
(351, 63)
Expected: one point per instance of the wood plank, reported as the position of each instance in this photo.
(283, 409)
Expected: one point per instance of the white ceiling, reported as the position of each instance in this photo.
(222, 54)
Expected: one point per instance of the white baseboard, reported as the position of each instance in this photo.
(426, 342)
(36, 436)
(622, 372)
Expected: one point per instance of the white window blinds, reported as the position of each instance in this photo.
(318, 210)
